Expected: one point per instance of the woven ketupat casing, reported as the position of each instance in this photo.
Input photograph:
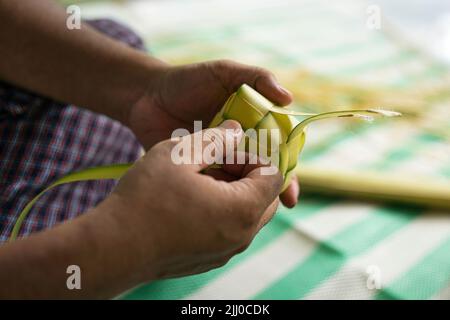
(254, 111)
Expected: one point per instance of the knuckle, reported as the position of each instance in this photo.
(248, 218)
(230, 238)
(243, 247)
(238, 221)
(245, 211)
(225, 62)
(221, 262)
(225, 260)
(269, 190)
(235, 237)
(264, 72)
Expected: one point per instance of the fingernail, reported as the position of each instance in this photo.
(233, 130)
(297, 194)
(233, 126)
(283, 90)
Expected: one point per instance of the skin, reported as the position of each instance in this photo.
(139, 233)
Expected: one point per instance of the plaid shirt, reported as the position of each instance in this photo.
(41, 140)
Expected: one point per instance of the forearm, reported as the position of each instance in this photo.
(35, 267)
(82, 67)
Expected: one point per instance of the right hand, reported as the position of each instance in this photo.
(186, 222)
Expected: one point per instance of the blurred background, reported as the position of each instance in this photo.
(340, 241)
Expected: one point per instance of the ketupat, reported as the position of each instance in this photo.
(252, 111)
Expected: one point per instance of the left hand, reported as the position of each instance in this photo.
(179, 95)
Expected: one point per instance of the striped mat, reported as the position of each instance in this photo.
(325, 248)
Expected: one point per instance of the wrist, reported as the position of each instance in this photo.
(142, 81)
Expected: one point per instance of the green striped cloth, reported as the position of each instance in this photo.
(324, 248)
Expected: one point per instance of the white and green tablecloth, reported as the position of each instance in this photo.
(324, 247)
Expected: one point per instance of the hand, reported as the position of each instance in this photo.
(179, 95)
(192, 222)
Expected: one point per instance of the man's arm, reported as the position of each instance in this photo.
(153, 226)
(35, 267)
(82, 67)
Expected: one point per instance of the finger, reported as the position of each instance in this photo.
(198, 151)
(234, 171)
(260, 79)
(241, 165)
(220, 174)
(289, 197)
(257, 190)
(268, 215)
(266, 84)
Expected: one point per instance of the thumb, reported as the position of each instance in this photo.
(235, 74)
(265, 83)
(204, 148)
